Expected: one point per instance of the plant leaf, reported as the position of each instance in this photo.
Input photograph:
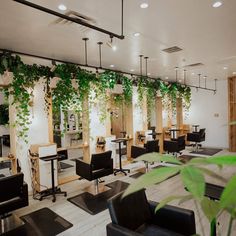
(185, 199)
(150, 178)
(210, 208)
(193, 180)
(198, 160)
(228, 199)
(222, 160)
(165, 201)
(212, 174)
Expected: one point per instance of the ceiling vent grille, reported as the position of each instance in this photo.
(77, 16)
(195, 64)
(172, 49)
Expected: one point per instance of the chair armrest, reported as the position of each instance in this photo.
(117, 230)
(174, 218)
(83, 169)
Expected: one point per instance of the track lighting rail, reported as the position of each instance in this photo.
(77, 21)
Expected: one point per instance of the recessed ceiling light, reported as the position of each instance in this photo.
(166, 77)
(136, 34)
(114, 48)
(148, 74)
(62, 7)
(193, 73)
(132, 70)
(144, 5)
(217, 4)
(180, 80)
(112, 66)
(225, 67)
(234, 73)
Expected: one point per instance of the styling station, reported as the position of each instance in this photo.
(117, 117)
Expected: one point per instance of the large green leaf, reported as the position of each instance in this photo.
(222, 160)
(228, 197)
(210, 208)
(185, 199)
(157, 157)
(165, 201)
(198, 161)
(150, 178)
(212, 174)
(193, 180)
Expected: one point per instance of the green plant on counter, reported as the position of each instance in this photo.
(192, 175)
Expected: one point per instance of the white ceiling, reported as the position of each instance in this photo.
(205, 34)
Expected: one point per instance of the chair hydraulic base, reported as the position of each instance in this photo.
(52, 192)
(97, 188)
(121, 170)
(10, 223)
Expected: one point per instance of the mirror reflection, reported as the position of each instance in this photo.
(68, 137)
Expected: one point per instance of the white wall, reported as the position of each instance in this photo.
(211, 112)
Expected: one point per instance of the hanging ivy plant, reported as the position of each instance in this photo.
(64, 93)
(141, 88)
(127, 86)
(152, 88)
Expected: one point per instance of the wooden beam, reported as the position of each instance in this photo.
(50, 121)
(179, 113)
(159, 122)
(85, 127)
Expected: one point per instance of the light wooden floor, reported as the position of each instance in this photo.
(87, 225)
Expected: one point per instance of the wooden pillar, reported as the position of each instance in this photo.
(128, 122)
(232, 112)
(159, 122)
(169, 115)
(179, 113)
(85, 127)
(50, 121)
(108, 116)
(145, 113)
(12, 112)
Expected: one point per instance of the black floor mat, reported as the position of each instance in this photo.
(43, 222)
(64, 165)
(95, 204)
(207, 151)
(1, 175)
(186, 158)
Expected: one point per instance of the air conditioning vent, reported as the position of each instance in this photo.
(172, 49)
(77, 16)
(195, 64)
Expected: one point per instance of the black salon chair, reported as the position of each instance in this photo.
(135, 216)
(175, 146)
(197, 137)
(101, 165)
(13, 195)
(152, 146)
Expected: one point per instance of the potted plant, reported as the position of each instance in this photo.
(192, 176)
